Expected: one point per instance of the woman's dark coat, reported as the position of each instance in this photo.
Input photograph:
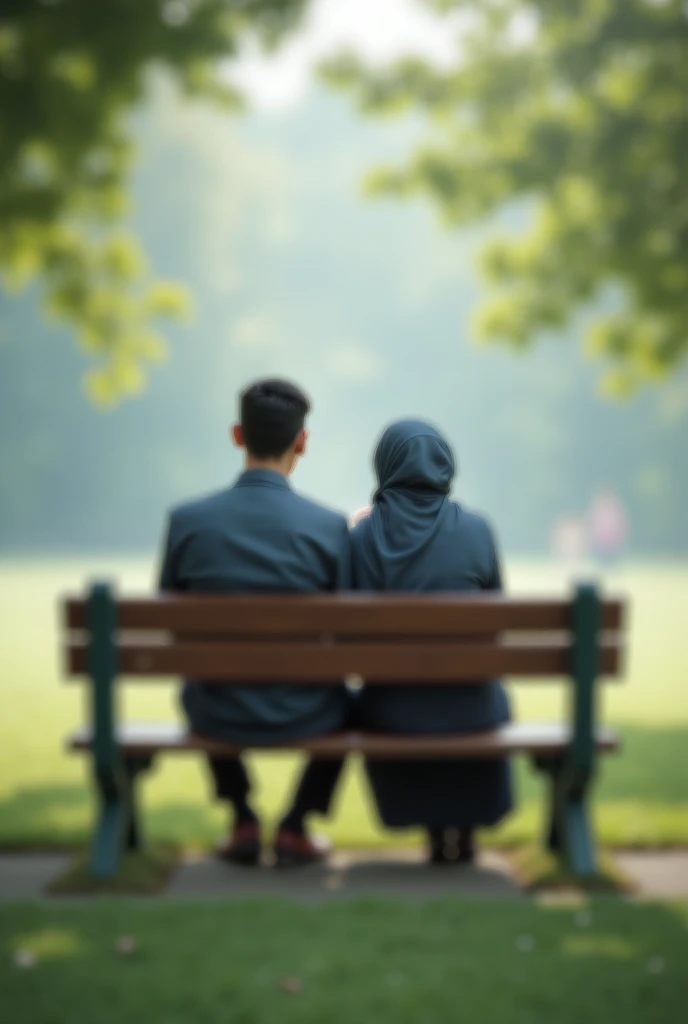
(417, 540)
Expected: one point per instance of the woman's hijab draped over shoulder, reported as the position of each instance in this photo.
(411, 511)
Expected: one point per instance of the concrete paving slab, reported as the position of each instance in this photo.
(386, 874)
(26, 875)
(393, 874)
(662, 874)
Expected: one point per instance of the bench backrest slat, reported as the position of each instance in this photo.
(324, 637)
(317, 663)
(432, 615)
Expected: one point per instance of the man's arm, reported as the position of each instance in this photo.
(494, 579)
(344, 570)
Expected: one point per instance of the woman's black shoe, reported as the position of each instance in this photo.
(452, 845)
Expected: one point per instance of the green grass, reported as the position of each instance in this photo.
(45, 793)
(523, 963)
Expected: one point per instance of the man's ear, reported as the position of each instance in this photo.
(301, 442)
(237, 435)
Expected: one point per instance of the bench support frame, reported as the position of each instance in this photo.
(133, 767)
(569, 832)
(114, 820)
(581, 760)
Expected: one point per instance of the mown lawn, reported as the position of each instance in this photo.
(261, 962)
(44, 792)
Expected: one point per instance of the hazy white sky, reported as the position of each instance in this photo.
(378, 29)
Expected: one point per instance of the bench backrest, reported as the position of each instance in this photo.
(322, 637)
(318, 638)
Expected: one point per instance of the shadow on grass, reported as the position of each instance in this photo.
(55, 817)
(45, 816)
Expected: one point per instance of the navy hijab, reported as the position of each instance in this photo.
(411, 511)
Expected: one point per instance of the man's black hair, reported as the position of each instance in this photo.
(272, 414)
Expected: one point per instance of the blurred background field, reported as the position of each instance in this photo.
(45, 794)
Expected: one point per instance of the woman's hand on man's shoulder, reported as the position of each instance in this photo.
(362, 513)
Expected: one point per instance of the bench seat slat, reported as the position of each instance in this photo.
(343, 614)
(141, 739)
(317, 663)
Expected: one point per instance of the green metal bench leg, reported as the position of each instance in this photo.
(110, 778)
(118, 826)
(553, 836)
(568, 833)
(571, 817)
(107, 841)
(134, 767)
(579, 847)
(575, 780)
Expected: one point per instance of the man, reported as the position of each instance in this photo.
(260, 536)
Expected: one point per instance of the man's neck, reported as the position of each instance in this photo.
(282, 466)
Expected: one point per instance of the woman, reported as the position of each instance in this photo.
(416, 539)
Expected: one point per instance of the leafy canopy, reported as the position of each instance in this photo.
(578, 110)
(70, 72)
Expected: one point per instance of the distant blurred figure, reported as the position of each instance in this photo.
(569, 540)
(607, 527)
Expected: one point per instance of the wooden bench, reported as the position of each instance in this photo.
(321, 638)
